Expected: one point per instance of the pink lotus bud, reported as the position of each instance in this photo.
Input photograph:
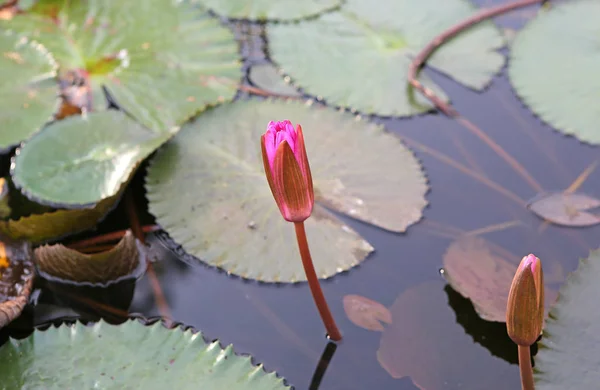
(287, 170)
(525, 307)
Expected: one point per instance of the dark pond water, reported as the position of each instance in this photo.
(436, 336)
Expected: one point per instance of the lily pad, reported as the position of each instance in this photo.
(366, 313)
(478, 272)
(28, 92)
(358, 57)
(208, 190)
(566, 209)
(127, 356)
(270, 9)
(424, 341)
(557, 55)
(124, 260)
(98, 152)
(162, 66)
(16, 280)
(268, 78)
(566, 357)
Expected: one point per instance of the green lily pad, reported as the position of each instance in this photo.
(127, 356)
(268, 78)
(16, 279)
(124, 260)
(270, 9)
(161, 60)
(566, 357)
(358, 58)
(98, 152)
(28, 92)
(208, 190)
(554, 68)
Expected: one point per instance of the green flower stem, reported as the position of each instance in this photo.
(313, 282)
(525, 368)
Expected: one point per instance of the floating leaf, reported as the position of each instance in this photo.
(359, 57)
(366, 313)
(424, 341)
(566, 209)
(567, 357)
(124, 260)
(4, 198)
(266, 77)
(556, 56)
(208, 190)
(28, 92)
(126, 356)
(16, 281)
(270, 9)
(38, 228)
(161, 66)
(98, 152)
(483, 275)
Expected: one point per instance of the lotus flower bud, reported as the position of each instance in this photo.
(525, 307)
(287, 170)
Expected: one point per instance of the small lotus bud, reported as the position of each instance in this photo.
(525, 307)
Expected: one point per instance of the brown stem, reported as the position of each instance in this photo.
(446, 108)
(313, 282)
(525, 368)
(262, 92)
(108, 237)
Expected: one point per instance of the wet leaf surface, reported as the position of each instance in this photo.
(566, 209)
(366, 313)
(130, 355)
(557, 55)
(225, 213)
(162, 66)
(475, 269)
(16, 280)
(270, 9)
(28, 91)
(124, 260)
(424, 340)
(268, 78)
(340, 50)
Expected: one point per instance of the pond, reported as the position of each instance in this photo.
(482, 170)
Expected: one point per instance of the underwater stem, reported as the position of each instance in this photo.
(525, 368)
(313, 282)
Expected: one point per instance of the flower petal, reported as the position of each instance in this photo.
(292, 184)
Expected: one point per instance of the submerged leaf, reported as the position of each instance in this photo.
(98, 152)
(424, 342)
(28, 91)
(124, 260)
(483, 275)
(266, 77)
(359, 57)
(16, 280)
(224, 212)
(567, 357)
(366, 313)
(161, 60)
(566, 209)
(270, 9)
(127, 356)
(554, 68)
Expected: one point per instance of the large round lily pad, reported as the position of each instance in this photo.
(161, 60)
(127, 356)
(554, 68)
(270, 9)
(81, 160)
(28, 91)
(208, 190)
(359, 57)
(567, 357)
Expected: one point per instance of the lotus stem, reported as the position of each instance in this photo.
(525, 368)
(313, 282)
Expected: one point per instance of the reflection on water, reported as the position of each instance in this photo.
(472, 188)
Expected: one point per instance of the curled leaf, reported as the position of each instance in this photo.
(125, 260)
(16, 280)
(566, 209)
(366, 313)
